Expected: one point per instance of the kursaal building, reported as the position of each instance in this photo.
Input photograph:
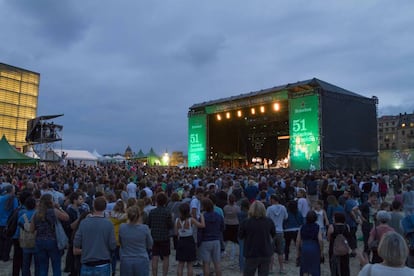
(307, 125)
(19, 91)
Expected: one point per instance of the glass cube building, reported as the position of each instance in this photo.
(19, 91)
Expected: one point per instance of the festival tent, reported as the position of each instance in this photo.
(10, 155)
(31, 153)
(97, 155)
(152, 158)
(118, 158)
(79, 157)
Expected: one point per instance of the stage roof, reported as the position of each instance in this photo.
(301, 85)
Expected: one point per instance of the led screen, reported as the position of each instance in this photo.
(304, 133)
(197, 152)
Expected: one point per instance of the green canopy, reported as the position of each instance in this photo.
(140, 154)
(9, 155)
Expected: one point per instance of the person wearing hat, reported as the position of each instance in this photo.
(383, 217)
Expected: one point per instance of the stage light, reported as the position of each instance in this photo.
(276, 107)
(262, 109)
(253, 111)
(239, 113)
(228, 115)
(218, 117)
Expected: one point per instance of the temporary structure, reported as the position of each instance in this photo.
(31, 153)
(9, 155)
(79, 157)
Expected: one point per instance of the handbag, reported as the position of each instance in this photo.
(27, 239)
(61, 238)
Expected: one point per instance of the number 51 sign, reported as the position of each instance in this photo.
(304, 132)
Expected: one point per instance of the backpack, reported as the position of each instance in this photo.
(408, 228)
(340, 245)
(11, 226)
(27, 239)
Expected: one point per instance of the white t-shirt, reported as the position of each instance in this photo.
(131, 189)
(303, 206)
(382, 270)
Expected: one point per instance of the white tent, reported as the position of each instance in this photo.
(118, 158)
(97, 155)
(30, 153)
(79, 157)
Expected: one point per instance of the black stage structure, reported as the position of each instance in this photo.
(42, 134)
(310, 124)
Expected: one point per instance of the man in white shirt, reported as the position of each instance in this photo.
(131, 189)
(277, 213)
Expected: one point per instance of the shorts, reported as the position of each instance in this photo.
(209, 251)
(161, 248)
(279, 244)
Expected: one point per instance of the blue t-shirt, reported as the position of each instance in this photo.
(20, 220)
(4, 214)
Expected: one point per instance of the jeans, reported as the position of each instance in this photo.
(5, 245)
(366, 228)
(262, 265)
(115, 258)
(100, 270)
(28, 255)
(241, 253)
(47, 249)
(135, 267)
(289, 237)
(17, 257)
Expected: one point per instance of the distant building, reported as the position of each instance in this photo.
(396, 141)
(177, 158)
(387, 132)
(19, 91)
(128, 153)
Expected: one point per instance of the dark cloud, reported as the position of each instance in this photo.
(201, 50)
(60, 22)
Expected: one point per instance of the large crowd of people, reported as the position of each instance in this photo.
(134, 216)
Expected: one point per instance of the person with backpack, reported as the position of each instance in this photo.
(17, 247)
(8, 204)
(338, 236)
(28, 252)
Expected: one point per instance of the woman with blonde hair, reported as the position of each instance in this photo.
(117, 216)
(394, 251)
(135, 240)
(257, 231)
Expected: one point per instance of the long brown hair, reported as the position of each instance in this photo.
(46, 202)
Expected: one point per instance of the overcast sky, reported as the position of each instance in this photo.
(126, 72)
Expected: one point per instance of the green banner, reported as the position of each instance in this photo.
(304, 133)
(197, 142)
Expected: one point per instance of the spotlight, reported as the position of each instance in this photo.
(228, 115)
(276, 107)
(218, 117)
(253, 111)
(239, 113)
(262, 109)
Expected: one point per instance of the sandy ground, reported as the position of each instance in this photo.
(229, 266)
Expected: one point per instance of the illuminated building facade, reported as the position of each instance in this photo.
(396, 141)
(19, 91)
(308, 125)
